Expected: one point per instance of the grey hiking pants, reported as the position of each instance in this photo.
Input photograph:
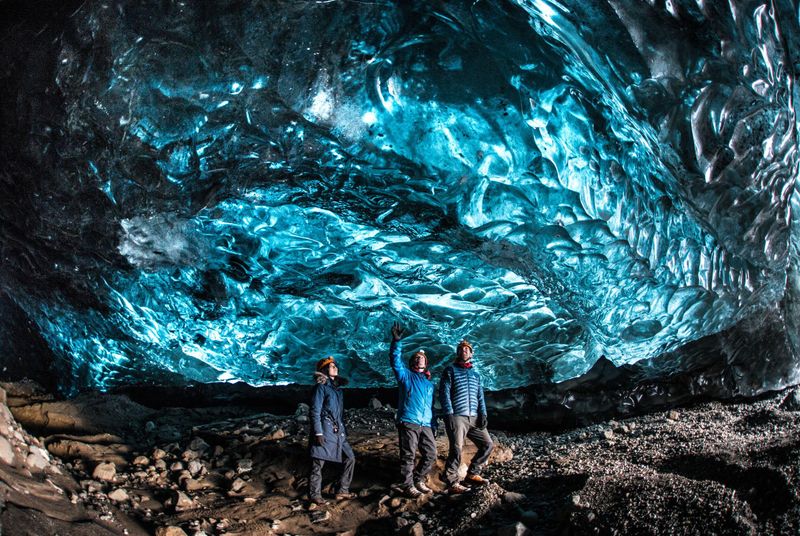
(411, 437)
(464, 427)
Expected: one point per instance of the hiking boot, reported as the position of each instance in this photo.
(421, 486)
(457, 489)
(345, 496)
(412, 492)
(476, 480)
(319, 501)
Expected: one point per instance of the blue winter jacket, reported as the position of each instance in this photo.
(461, 392)
(415, 390)
(326, 413)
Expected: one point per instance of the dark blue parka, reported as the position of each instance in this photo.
(415, 389)
(326, 414)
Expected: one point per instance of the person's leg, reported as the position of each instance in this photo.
(483, 441)
(349, 461)
(427, 449)
(409, 439)
(315, 479)
(456, 437)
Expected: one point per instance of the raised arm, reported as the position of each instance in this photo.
(396, 353)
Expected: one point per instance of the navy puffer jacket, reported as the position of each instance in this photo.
(326, 414)
(461, 392)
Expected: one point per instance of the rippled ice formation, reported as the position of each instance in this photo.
(232, 190)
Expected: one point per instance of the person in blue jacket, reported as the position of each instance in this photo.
(464, 409)
(415, 417)
(328, 441)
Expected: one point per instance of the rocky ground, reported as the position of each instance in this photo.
(102, 464)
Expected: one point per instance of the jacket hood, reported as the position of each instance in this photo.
(322, 379)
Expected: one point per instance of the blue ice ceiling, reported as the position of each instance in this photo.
(231, 190)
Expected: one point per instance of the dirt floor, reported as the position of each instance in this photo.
(102, 464)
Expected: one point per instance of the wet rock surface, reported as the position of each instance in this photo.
(722, 468)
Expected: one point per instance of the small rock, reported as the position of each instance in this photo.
(160, 465)
(512, 497)
(35, 460)
(218, 450)
(237, 485)
(180, 501)
(149, 427)
(105, 471)
(394, 503)
(198, 445)
(6, 452)
(277, 434)
(400, 522)
(673, 415)
(118, 495)
(195, 467)
(189, 455)
(140, 460)
(244, 465)
(608, 434)
(177, 466)
(374, 403)
(518, 529)
(159, 454)
(170, 531)
(576, 500)
(92, 486)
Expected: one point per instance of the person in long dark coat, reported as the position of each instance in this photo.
(328, 442)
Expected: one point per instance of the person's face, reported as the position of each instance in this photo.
(419, 361)
(466, 353)
(333, 370)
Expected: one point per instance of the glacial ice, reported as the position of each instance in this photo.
(229, 191)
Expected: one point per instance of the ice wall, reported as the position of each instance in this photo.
(232, 190)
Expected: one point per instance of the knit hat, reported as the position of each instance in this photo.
(323, 363)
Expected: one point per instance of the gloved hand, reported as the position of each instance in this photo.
(482, 422)
(397, 331)
(319, 440)
(449, 422)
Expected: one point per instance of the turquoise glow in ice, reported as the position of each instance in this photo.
(554, 182)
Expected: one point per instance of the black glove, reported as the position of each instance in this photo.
(397, 331)
(482, 422)
(319, 440)
(449, 422)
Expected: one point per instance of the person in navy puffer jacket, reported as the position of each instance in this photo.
(328, 440)
(415, 417)
(464, 409)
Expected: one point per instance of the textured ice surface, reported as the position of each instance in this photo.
(232, 190)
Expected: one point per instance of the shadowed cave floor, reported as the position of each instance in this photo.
(714, 468)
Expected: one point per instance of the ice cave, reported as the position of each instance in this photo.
(228, 192)
(224, 192)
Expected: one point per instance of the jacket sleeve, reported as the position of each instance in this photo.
(434, 419)
(444, 391)
(396, 359)
(481, 399)
(315, 411)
